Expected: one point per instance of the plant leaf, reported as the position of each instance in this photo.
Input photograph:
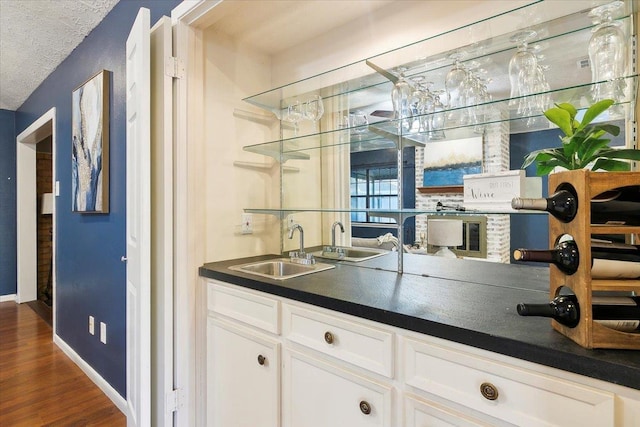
(610, 129)
(560, 118)
(545, 167)
(594, 111)
(590, 150)
(568, 108)
(611, 165)
(545, 154)
(626, 153)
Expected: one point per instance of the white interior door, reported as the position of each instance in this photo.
(138, 223)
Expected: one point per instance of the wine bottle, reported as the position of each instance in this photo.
(621, 313)
(563, 309)
(617, 207)
(563, 204)
(564, 255)
(606, 263)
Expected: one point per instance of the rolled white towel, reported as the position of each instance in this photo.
(388, 238)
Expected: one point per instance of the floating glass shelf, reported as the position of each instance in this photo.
(490, 48)
(386, 134)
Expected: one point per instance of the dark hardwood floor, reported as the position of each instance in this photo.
(39, 384)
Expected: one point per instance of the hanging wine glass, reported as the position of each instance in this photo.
(294, 115)
(313, 108)
(400, 97)
(523, 72)
(438, 120)
(607, 53)
(454, 88)
(417, 103)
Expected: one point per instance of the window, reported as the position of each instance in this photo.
(373, 188)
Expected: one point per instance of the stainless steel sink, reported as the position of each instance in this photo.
(280, 269)
(350, 254)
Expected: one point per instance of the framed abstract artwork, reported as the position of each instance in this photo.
(90, 145)
(446, 162)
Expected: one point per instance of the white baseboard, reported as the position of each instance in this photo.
(102, 384)
(10, 297)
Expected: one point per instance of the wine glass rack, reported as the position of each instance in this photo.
(587, 184)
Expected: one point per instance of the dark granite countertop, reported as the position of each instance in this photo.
(465, 301)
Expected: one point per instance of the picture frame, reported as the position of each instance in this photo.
(90, 145)
(447, 161)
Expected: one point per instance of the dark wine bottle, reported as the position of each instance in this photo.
(617, 207)
(564, 255)
(606, 263)
(563, 204)
(563, 309)
(621, 313)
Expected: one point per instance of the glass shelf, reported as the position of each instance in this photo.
(490, 48)
(388, 213)
(385, 134)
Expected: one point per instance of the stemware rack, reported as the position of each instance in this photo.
(589, 333)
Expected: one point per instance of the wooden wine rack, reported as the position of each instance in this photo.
(589, 184)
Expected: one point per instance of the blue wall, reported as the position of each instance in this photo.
(7, 203)
(90, 278)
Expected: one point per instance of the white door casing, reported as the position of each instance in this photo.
(163, 402)
(26, 205)
(138, 113)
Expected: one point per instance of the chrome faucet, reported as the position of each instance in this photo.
(333, 232)
(300, 256)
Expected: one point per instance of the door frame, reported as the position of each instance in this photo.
(26, 207)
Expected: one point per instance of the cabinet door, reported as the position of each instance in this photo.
(243, 377)
(320, 394)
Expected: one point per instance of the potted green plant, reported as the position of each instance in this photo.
(583, 145)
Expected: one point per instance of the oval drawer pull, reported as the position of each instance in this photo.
(489, 391)
(261, 360)
(365, 408)
(328, 337)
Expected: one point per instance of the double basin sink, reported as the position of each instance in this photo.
(284, 268)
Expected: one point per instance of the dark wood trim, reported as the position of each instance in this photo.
(442, 189)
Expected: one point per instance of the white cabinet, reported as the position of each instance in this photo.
(371, 374)
(243, 377)
(320, 394)
(243, 358)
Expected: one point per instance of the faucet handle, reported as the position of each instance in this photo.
(300, 257)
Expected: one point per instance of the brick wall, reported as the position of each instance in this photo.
(495, 159)
(44, 180)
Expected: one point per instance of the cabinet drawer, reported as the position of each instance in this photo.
(248, 307)
(364, 346)
(321, 394)
(522, 397)
(424, 413)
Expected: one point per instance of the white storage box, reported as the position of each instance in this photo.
(494, 191)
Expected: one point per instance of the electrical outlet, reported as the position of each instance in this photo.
(92, 325)
(247, 223)
(103, 332)
(290, 221)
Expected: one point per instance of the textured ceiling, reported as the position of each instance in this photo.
(36, 36)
